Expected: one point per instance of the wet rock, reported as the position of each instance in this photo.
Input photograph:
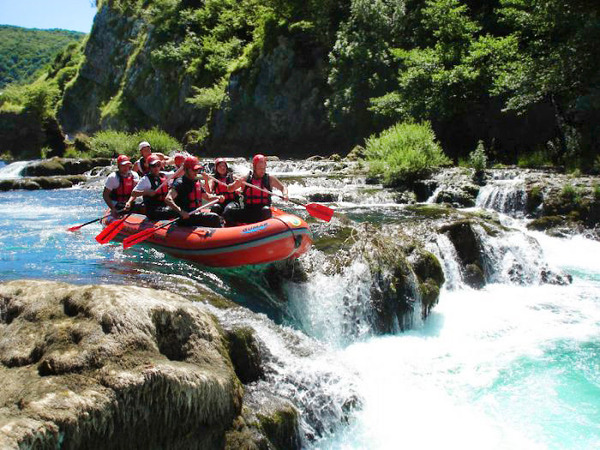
(469, 251)
(430, 274)
(245, 354)
(46, 167)
(545, 223)
(269, 422)
(26, 184)
(474, 276)
(111, 367)
(424, 189)
(36, 183)
(459, 196)
(64, 166)
(322, 197)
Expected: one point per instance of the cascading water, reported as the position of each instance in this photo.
(12, 170)
(513, 365)
(507, 196)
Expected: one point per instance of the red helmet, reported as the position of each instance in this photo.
(123, 159)
(219, 161)
(178, 159)
(153, 160)
(191, 162)
(258, 158)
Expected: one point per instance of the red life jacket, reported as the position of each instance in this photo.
(195, 196)
(222, 190)
(254, 197)
(123, 192)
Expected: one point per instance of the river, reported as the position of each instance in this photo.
(507, 366)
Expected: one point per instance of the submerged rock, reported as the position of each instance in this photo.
(111, 367)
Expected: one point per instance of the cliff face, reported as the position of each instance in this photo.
(276, 104)
(278, 108)
(119, 87)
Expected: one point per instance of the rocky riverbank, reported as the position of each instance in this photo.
(126, 367)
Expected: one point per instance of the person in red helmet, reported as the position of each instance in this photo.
(187, 194)
(119, 185)
(219, 186)
(153, 187)
(257, 203)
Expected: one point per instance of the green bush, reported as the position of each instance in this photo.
(478, 158)
(111, 143)
(534, 159)
(569, 193)
(596, 191)
(403, 153)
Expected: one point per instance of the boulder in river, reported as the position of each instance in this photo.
(111, 367)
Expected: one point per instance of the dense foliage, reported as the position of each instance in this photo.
(520, 76)
(25, 51)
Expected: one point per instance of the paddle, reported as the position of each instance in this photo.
(109, 233)
(77, 227)
(314, 209)
(145, 234)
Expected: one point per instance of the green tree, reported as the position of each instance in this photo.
(557, 60)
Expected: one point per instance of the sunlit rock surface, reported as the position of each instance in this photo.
(111, 367)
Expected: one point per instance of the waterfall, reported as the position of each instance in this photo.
(445, 251)
(12, 170)
(335, 309)
(302, 370)
(505, 196)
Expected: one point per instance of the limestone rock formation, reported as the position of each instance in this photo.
(111, 367)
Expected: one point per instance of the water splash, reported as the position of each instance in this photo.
(13, 170)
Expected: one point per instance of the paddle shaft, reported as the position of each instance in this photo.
(145, 234)
(90, 222)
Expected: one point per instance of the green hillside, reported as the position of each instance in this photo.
(23, 51)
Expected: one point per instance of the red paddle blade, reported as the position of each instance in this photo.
(109, 233)
(319, 211)
(138, 237)
(75, 228)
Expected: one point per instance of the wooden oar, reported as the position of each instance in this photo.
(314, 209)
(145, 234)
(111, 231)
(77, 227)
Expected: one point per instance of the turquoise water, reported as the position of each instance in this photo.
(505, 367)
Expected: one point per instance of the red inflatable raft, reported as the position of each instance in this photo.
(281, 237)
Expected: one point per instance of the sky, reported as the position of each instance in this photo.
(76, 15)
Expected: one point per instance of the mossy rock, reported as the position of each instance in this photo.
(322, 197)
(334, 240)
(245, 354)
(10, 185)
(281, 427)
(545, 223)
(426, 265)
(474, 276)
(535, 198)
(465, 241)
(430, 294)
(358, 152)
(53, 182)
(47, 167)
